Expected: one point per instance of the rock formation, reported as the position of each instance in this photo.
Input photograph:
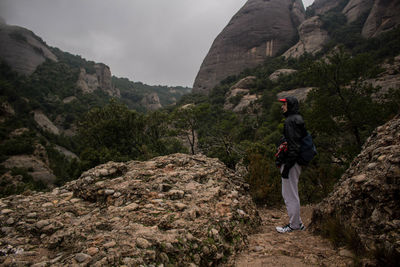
(281, 72)
(259, 30)
(320, 7)
(101, 80)
(312, 38)
(22, 49)
(175, 210)
(389, 79)
(299, 93)
(37, 164)
(384, 16)
(239, 98)
(151, 101)
(45, 123)
(366, 198)
(357, 8)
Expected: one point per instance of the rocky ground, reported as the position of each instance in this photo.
(299, 248)
(177, 210)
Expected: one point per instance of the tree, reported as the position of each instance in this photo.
(343, 104)
(115, 131)
(186, 121)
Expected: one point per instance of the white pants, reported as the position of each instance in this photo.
(290, 194)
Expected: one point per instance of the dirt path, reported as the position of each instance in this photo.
(298, 248)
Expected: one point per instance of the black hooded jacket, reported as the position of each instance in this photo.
(293, 131)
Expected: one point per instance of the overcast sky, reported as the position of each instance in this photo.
(153, 41)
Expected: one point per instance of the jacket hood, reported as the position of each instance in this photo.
(293, 105)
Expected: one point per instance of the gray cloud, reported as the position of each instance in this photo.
(153, 41)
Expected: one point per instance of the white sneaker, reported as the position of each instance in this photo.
(288, 229)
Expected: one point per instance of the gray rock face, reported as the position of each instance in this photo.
(101, 80)
(389, 79)
(239, 99)
(357, 8)
(39, 169)
(366, 197)
(321, 6)
(151, 101)
(179, 209)
(281, 72)
(312, 38)
(45, 123)
(22, 50)
(384, 16)
(259, 30)
(299, 93)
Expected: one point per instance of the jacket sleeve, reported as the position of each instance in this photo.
(294, 133)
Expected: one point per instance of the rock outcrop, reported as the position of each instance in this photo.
(320, 7)
(239, 98)
(45, 123)
(281, 72)
(366, 198)
(299, 93)
(259, 30)
(312, 38)
(6, 111)
(383, 17)
(37, 165)
(22, 49)
(389, 79)
(151, 101)
(178, 210)
(100, 80)
(357, 8)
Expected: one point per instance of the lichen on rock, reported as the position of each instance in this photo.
(177, 209)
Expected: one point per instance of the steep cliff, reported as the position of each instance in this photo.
(22, 49)
(260, 29)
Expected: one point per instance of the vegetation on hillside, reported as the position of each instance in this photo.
(341, 110)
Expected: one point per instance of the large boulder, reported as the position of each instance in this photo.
(260, 29)
(177, 210)
(22, 49)
(366, 198)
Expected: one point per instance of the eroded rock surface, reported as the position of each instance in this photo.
(239, 97)
(177, 209)
(366, 197)
(312, 38)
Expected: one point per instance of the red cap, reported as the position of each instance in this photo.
(283, 100)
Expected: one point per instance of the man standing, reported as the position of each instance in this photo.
(294, 130)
